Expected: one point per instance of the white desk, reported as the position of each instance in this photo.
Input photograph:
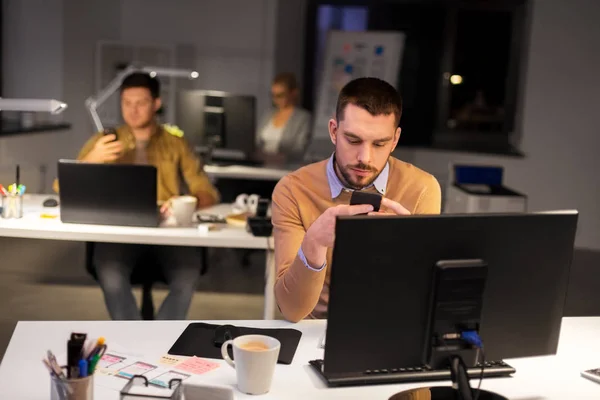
(245, 172)
(22, 375)
(32, 226)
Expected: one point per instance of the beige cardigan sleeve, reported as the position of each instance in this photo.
(297, 288)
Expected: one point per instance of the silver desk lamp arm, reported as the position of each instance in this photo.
(93, 102)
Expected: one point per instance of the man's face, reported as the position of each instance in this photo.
(363, 144)
(138, 107)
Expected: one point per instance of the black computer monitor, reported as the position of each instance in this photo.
(387, 286)
(213, 118)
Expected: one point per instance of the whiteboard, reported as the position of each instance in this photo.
(351, 55)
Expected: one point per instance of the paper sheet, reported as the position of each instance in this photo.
(169, 360)
(197, 366)
(136, 368)
(115, 369)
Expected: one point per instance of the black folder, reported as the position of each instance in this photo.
(204, 340)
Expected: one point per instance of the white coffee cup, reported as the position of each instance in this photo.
(183, 208)
(255, 359)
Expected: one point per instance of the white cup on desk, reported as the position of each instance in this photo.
(183, 208)
(254, 360)
(246, 203)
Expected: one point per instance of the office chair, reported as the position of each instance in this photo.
(146, 277)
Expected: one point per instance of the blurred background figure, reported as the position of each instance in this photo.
(284, 132)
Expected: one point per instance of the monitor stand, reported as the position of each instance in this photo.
(460, 389)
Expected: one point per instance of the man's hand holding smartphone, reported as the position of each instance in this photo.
(378, 202)
(106, 149)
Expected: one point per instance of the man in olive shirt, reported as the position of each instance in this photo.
(143, 141)
(306, 202)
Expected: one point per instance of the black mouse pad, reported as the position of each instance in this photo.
(199, 340)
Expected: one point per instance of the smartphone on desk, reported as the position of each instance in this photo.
(366, 198)
(592, 374)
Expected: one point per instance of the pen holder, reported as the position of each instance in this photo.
(12, 206)
(72, 389)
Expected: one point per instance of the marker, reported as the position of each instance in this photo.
(3, 191)
(92, 365)
(83, 368)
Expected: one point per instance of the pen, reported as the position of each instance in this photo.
(54, 364)
(89, 346)
(100, 348)
(49, 367)
(18, 176)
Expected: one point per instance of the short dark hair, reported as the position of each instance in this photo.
(286, 79)
(371, 94)
(142, 80)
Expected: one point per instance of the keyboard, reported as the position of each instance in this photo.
(405, 375)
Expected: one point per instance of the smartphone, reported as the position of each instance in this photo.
(373, 199)
(592, 374)
(110, 131)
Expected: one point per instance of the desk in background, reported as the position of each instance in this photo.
(231, 180)
(22, 375)
(246, 172)
(33, 226)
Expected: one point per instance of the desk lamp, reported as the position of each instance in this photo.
(93, 102)
(32, 105)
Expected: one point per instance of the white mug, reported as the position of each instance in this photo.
(255, 359)
(183, 208)
(247, 203)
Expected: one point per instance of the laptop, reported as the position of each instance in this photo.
(108, 194)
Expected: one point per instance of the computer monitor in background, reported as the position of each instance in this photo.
(405, 291)
(220, 119)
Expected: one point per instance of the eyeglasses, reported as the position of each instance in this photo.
(279, 95)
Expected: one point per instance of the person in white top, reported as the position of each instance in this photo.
(284, 131)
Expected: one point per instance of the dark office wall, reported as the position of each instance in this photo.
(289, 38)
(48, 52)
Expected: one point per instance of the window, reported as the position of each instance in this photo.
(459, 69)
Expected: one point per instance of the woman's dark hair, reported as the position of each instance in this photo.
(286, 79)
